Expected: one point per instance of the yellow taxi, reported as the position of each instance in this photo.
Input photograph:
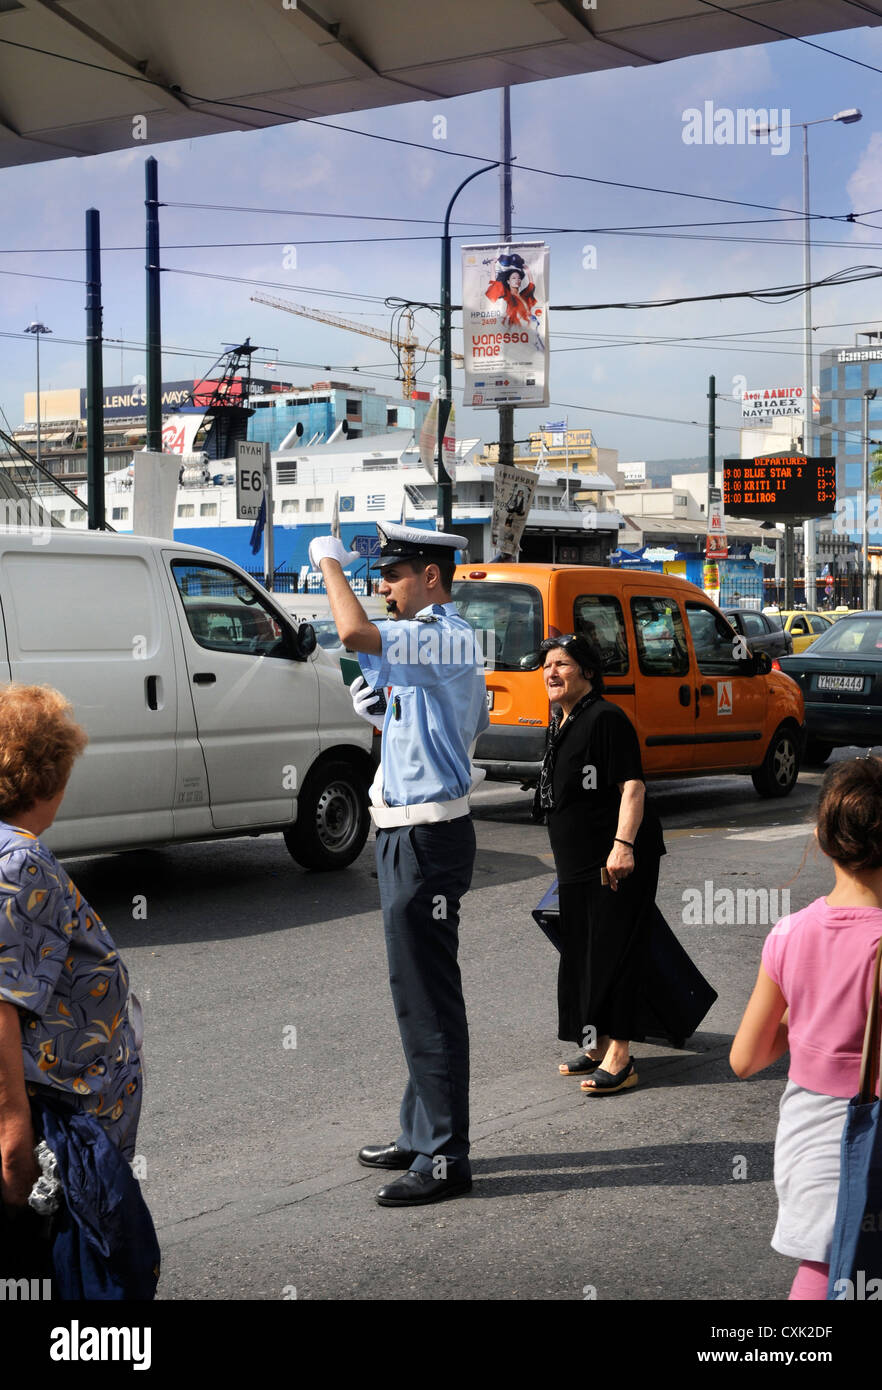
(804, 626)
(702, 703)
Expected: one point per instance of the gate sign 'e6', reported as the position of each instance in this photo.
(252, 462)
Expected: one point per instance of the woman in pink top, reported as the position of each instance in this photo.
(811, 996)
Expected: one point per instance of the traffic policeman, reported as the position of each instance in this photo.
(435, 710)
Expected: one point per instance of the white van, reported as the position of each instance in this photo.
(209, 712)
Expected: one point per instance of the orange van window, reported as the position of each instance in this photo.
(599, 617)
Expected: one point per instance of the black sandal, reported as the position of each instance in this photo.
(583, 1065)
(605, 1083)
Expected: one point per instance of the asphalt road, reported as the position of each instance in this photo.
(247, 1142)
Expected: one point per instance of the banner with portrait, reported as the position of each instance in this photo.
(505, 324)
(513, 490)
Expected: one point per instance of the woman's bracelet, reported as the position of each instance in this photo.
(623, 842)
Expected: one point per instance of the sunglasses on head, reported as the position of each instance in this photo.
(563, 642)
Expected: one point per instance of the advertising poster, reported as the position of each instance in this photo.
(505, 324)
(513, 490)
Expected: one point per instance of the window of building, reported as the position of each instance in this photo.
(853, 375)
(78, 517)
(208, 509)
(876, 409)
(119, 514)
(874, 374)
(59, 515)
(353, 407)
(853, 407)
(826, 379)
(74, 465)
(315, 504)
(391, 417)
(852, 441)
(681, 500)
(291, 504)
(853, 474)
(186, 509)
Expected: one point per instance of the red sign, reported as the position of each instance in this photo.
(716, 548)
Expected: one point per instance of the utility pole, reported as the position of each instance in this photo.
(94, 373)
(711, 432)
(506, 412)
(154, 332)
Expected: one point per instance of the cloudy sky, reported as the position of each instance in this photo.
(609, 369)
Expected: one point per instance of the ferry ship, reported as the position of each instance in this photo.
(363, 481)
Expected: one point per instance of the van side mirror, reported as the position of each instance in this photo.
(762, 664)
(306, 639)
(531, 662)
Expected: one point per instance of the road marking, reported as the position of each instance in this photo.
(774, 832)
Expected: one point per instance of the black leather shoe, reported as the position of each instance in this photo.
(416, 1189)
(385, 1156)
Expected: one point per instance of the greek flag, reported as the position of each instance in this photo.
(555, 426)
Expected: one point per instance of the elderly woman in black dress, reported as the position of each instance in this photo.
(607, 843)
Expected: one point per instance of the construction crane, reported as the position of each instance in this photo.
(406, 346)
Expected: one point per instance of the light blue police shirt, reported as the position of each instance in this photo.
(437, 706)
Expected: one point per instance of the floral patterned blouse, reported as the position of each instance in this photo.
(59, 966)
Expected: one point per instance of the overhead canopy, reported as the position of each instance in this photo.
(81, 77)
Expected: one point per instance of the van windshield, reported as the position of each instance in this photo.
(506, 617)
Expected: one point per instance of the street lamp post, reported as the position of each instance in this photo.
(865, 502)
(37, 329)
(445, 487)
(848, 117)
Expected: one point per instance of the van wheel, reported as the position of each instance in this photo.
(332, 818)
(777, 774)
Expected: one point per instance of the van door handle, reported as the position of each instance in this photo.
(204, 678)
(152, 693)
(685, 695)
(707, 689)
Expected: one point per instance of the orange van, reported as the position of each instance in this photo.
(702, 703)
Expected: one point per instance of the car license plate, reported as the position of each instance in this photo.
(853, 684)
(490, 699)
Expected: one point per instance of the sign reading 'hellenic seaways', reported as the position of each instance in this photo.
(505, 324)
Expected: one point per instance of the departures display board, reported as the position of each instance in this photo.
(779, 485)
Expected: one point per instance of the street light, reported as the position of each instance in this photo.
(445, 487)
(847, 117)
(865, 501)
(37, 329)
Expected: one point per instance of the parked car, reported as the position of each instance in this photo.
(210, 713)
(701, 705)
(841, 681)
(804, 627)
(763, 632)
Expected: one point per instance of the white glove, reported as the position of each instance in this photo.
(363, 696)
(329, 548)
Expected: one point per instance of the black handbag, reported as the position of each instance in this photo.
(676, 995)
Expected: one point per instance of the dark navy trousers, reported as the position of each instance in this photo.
(423, 873)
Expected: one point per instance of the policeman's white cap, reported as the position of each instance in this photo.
(399, 542)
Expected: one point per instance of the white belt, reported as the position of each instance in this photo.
(423, 813)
